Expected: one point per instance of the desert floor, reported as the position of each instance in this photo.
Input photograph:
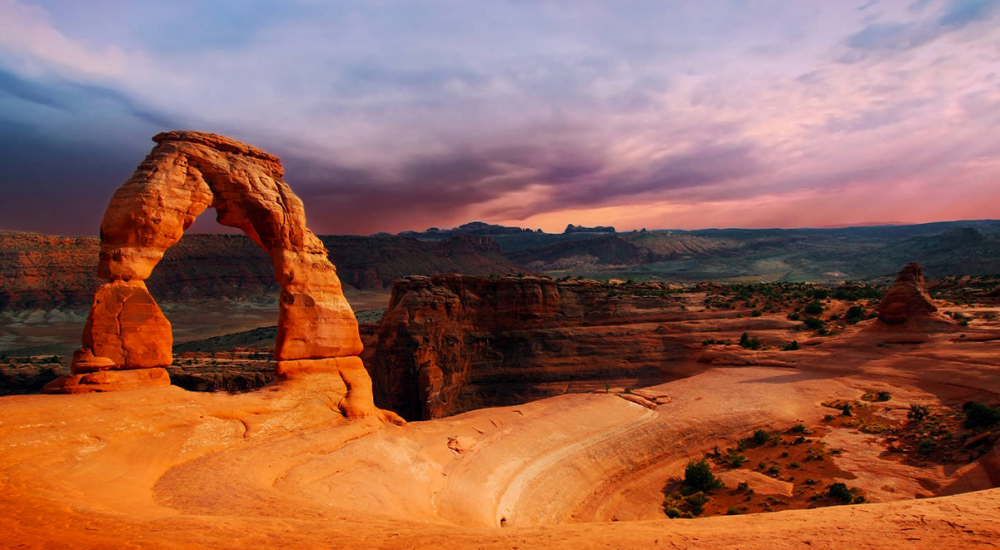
(279, 467)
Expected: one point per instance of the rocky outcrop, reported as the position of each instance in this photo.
(127, 341)
(908, 299)
(377, 262)
(581, 229)
(451, 343)
(471, 228)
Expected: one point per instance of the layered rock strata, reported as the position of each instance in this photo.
(184, 174)
(452, 343)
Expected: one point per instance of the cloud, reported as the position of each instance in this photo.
(901, 36)
(959, 13)
(392, 116)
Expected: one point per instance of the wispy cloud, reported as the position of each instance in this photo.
(400, 115)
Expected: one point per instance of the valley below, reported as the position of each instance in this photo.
(572, 427)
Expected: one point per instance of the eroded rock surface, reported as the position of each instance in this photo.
(184, 174)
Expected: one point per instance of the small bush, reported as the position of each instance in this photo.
(799, 429)
(918, 413)
(735, 460)
(733, 511)
(794, 464)
(672, 513)
(760, 437)
(814, 308)
(756, 313)
(927, 446)
(696, 503)
(749, 342)
(848, 410)
(698, 477)
(854, 313)
(791, 346)
(743, 487)
(978, 415)
(794, 316)
(840, 492)
(814, 323)
(883, 396)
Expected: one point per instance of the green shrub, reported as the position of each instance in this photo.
(749, 342)
(791, 346)
(799, 429)
(820, 293)
(743, 487)
(774, 469)
(840, 492)
(672, 513)
(733, 511)
(918, 413)
(696, 503)
(927, 446)
(756, 313)
(979, 415)
(854, 313)
(883, 396)
(794, 316)
(735, 460)
(698, 477)
(760, 437)
(814, 308)
(814, 323)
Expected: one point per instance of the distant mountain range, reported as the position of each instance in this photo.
(39, 271)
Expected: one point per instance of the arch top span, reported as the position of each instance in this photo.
(184, 174)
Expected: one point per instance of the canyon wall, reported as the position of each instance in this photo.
(46, 272)
(451, 343)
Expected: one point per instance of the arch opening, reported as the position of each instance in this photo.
(127, 340)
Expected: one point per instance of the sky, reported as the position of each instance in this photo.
(409, 114)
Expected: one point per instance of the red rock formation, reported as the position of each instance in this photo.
(450, 343)
(908, 299)
(126, 326)
(183, 175)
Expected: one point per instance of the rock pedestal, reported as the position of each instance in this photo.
(908, 299)
(127, 340)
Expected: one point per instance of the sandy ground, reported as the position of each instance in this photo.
(165, 468)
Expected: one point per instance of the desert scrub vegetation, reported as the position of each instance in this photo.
(698, 477)
(979, 415)
(874, 395)
(695, 491)
(844, 494)
(749, 342)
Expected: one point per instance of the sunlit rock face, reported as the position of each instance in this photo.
(183, 175)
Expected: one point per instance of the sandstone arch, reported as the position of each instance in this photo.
(127, 339)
